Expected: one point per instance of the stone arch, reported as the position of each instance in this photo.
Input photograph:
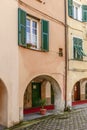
(79, 92)
(3, 103)
(56, 89)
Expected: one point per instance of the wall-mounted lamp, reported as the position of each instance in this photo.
(60, 52)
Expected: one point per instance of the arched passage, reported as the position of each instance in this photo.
(3, 104)
(42, 87)
(79, 92)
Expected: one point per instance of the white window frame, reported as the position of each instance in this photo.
(33, 45)
(79, 7)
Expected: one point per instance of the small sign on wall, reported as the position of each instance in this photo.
(34, 86)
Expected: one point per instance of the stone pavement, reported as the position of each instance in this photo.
(74, 120)
(2, 127)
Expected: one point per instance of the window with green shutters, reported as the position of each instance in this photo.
(77, 11)
(84, 13)
(70, 8)
(77, 48)
(28, 32)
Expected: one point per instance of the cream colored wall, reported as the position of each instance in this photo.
(76, 69)
(73, 77)
(34, 63)
(9, 58)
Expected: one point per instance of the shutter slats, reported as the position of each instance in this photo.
(45, 35)
(70, 8)
(77, 48)
(21, 27)
(84, 13)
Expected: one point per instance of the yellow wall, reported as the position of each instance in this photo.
(76, 70)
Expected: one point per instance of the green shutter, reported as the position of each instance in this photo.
(45, 35)
(84, 13)
(70, 8)
(77, 48)
(21, 27)
(77, 42)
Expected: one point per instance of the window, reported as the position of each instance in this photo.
(77, 48)
(32, 32)
(29, 32)
(77, 11)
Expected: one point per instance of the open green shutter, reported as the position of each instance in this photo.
(77, 48)
(77, 41)
(74, 47)
(45, 35)
(84, 13)
(70, 8)
(21, 27)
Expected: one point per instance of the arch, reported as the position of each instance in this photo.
(3, 103)
(45, 81)
(79, 92)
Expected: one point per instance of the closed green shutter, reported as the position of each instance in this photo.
(45, 35)
(21, 27)
(70, 8)
(84, 13)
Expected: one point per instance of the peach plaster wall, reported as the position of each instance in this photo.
(34, 63)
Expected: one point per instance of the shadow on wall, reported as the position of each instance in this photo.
(3, 103)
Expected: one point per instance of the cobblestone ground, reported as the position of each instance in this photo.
(74, 120)
(70, 121)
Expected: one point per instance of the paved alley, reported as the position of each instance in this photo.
(74, 120)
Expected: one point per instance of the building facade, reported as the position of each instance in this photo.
(77, 51)
(9, 76)
(32, 60)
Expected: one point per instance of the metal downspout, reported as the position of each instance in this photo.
(65, 13)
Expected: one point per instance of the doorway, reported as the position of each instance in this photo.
(36, 94)
(77, 91)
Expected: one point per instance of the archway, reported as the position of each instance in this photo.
(79, 93)
(3, 104)
(42, 87)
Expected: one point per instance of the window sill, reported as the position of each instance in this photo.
(76, 19)
(34, 48)
(77, 60)
(81, 21)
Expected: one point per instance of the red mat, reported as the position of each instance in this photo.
(37, 109)
(79, 102)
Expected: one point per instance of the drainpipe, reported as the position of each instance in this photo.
(65, 13)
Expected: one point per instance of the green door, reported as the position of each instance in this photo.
(36, 94)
